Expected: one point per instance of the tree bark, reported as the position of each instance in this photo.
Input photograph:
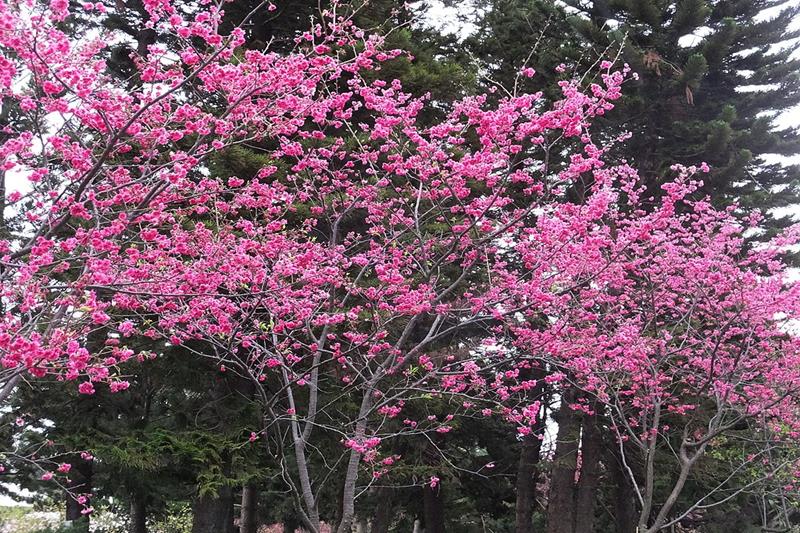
(382, 520)
(247, 519)
(527, 477)
(77, 521)
(138, 518)
(351, 474)
(433, 506)
(80, 484)
(625, 507)
(73, 510)
(573, 488)
(561, 499)
(586, 493)
(213, 514)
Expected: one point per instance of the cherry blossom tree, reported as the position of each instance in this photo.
(686, 344)
(371, 264)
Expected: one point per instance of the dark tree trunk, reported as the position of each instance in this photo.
(138, 514)
(80, 483)
(78, 521)
(213, 514)
(433, 506)
(247, 519)
(383, 512)
(586, 494)
(529, 457)
(527, 477)
(73, 511)
(561, 499)
(230, 519)
(626, 513)
(290, 524)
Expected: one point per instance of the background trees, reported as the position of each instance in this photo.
(713, 75)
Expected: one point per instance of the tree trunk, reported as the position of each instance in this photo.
(383, 512)
(351, 473)
(247, 519)
(213, 514)
(73, 510)
(290, 523)
(433, 506)
(138, 516)
(561, 499)
(586, 494)
(76, 520)
(230, 518)
(625, 509)
(527, 477)
(80, 484)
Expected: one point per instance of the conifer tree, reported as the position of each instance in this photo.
(713, 75)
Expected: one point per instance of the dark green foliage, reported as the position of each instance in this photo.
(700, 63)
(181, 429)
(513, 34)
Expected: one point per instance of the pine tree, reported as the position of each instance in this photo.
(514, 34)
(713, 75)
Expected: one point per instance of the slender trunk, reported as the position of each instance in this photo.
(383, 511)
(213, 513)
(3, 230)
(561, 499)
(247, 519)
(433, 506)
(586, 494)
(527, 477)
(8, 386)
(648, 493)
(687, 461)
(138, 518)
(311, 515)
(351, 475)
